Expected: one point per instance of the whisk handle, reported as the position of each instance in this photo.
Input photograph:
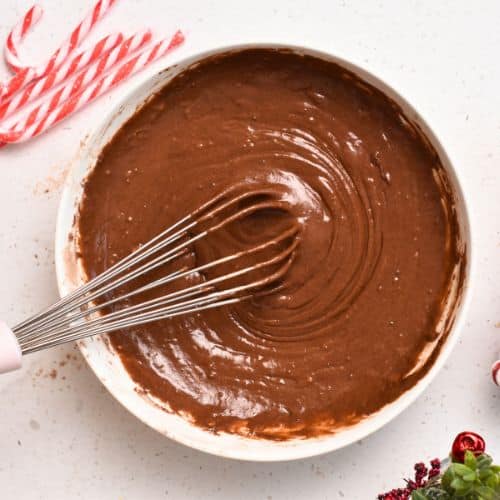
(10, 352)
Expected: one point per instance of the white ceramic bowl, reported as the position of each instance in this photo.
(107, 365)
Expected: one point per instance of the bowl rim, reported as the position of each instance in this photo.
(225, 445)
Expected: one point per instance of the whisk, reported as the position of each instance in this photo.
(81, 314)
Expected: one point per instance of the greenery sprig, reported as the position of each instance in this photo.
(475, 479)
(470, 475)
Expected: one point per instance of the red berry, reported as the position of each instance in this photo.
(495, 372)
(467, 441)
(433, 473)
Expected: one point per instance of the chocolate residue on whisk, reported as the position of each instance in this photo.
(359, 319)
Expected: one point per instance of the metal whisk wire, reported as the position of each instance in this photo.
(78, 315)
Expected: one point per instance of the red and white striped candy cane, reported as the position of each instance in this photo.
(25, 74)
(72, 66)
(18, 33)
(76, 84)
(94, 90)
(79, 81)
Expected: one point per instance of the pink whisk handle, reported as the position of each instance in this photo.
(10, 351)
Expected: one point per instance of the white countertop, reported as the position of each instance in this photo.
(62, 436)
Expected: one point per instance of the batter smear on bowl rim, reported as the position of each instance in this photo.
(358, 318)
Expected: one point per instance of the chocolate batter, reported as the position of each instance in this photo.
(357, 319)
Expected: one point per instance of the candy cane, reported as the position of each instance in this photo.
(94, 90)
(79, 81)
(18, 33)
(72, 66)
(26, 74)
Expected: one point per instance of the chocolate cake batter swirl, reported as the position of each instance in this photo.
(379, 245)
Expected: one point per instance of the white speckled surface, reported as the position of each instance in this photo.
(63, 437)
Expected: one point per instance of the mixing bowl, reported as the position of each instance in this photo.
(107, 364)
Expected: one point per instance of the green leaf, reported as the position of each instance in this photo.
(431, 493)
(470, 460)
(458, 484)
(484, 473)
(485, 493)
(447, 478)
(468, 488)
(492, 482)
(418, 495)
(484, 460)
(470, 477)
(460, 469)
